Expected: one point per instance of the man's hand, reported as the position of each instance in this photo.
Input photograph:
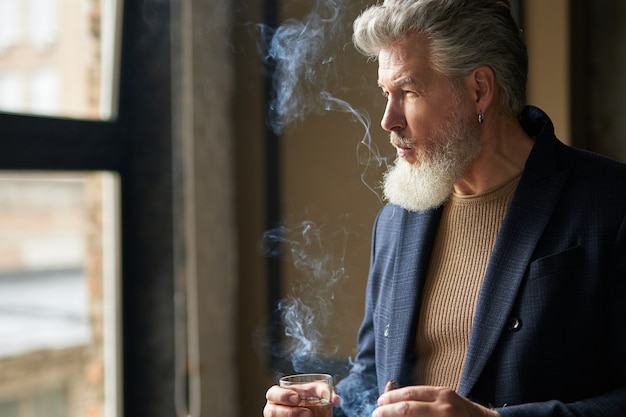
(425, 401)
(283, 402)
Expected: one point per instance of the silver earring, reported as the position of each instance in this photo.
(481, 117)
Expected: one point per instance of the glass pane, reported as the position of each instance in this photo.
(50, 404)
(59, 58)
(59, 296)
(9, 409)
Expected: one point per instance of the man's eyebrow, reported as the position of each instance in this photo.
(400, 82)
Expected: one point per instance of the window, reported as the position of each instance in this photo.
(134, 152)
(59, 294)
(68, 50)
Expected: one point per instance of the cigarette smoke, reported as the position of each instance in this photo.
(304, 64)
(307, 308)
(306, 79)
(305, 74)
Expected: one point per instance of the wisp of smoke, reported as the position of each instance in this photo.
(300, 58)
(303, 63)
(307, 308)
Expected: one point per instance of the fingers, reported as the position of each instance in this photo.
(283, 396)
(416, 393)
(283, 402)
(274, 410)
(405, 409)
(427, 401)
(337, 401)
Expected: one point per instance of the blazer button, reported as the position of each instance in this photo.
(515, 324)
(386, 332)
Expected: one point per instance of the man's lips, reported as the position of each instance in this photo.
(403, 145)
(404, 151)
(403, 148)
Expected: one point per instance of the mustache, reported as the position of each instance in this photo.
(400, 141)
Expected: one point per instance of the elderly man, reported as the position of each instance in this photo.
(498, 272)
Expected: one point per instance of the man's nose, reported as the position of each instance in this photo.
(393, 118)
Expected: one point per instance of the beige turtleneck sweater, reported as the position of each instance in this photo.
(465, 238)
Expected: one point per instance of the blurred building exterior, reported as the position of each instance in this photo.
(51, 295)
(51, 290)
(50, 57)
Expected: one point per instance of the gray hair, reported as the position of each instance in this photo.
(463, 34)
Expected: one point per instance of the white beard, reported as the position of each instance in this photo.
(442, 160)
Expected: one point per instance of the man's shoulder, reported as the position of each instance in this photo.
(589, 163)
(548, 147)
(591, 180)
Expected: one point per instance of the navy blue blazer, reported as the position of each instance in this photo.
(549, 332)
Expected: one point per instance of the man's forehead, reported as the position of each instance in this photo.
(403, 72)
(403, 62)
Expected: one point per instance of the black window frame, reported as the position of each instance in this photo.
(138, 147)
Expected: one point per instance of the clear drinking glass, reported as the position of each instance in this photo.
(315, 392)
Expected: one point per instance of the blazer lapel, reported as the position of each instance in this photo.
(411, 264)
(528, 214)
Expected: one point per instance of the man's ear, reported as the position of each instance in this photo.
(483, 84)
